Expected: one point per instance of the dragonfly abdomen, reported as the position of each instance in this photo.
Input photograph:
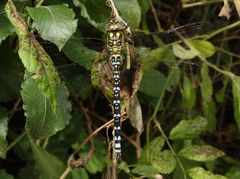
(115, 48)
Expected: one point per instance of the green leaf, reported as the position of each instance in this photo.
(77, 80)
(209, 108)
(28, 170)
(70, 136)
(206, 84)
(152, 87)
(6, 27)
(45, 98)
(98, 161)
(132, 14)
(233, 173)
(189, 129)
(55, 23)
(164, 162)
(91, 10)
(236, 99)
(10, 64)
(76, 52)
(145, 6)
(78, 173)
(201, 153)
(34, 58)
(5, 175)
(145, 170)
(188, 94)
(42, 121)
(200, 173)
(149, 150)
(158, 86)
(204, 47)
(152, 58)
(3, 132)
(182, 53)
(124, 166)
(47, 165)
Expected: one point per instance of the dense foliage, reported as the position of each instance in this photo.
(55, 121)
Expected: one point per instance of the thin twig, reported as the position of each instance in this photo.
(19, 138)
(225, 28)
(66, 172)
(83, 160)
(15, 108)
(155, 16)
(201, 3)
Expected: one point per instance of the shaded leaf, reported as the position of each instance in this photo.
(145, 6)
(236, 99)
(78, 173)
(91, 10)
(71, 136)
(188, 94)
(201, 153)
(204, 47)
(200, 173)
(209, 107)
(132, 14)
(76, 52)
(124, 166)
(164, 162)
(189, 129)
(47, 165)
(42, 121)
(145, 170)
(5, 175)
(152, 87)
(233, 173)
(149, 150)
(6, 27)
(55, 23)
(3, 132)
(11, 71)
(97, 162)
(150, 59)
(206, 84)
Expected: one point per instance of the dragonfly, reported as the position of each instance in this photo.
(120, 52)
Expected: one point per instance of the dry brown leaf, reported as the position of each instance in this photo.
(225, 11)
(237, 5)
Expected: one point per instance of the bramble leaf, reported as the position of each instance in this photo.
(201, 153)
(188, 129)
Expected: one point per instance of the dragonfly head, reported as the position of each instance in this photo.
(115, 25)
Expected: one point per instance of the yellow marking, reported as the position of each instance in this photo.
(114, 42)
(117, 34)
(110, 34)
(115, 49)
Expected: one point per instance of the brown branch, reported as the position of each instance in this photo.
(15, 108)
